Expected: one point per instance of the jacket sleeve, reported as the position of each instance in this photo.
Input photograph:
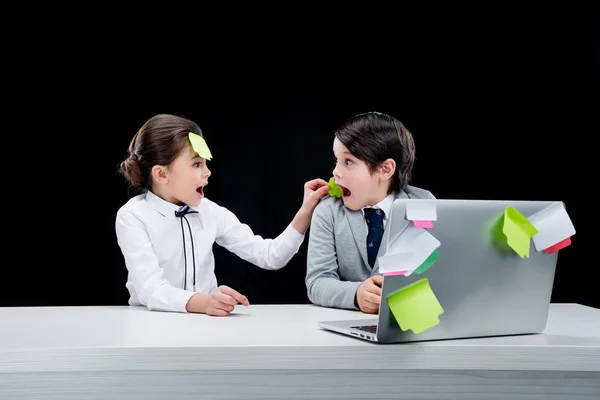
(323, 283)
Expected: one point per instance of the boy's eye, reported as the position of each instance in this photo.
(348, 161)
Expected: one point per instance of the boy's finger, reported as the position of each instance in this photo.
(372, 299)
(370, 309)
(377, 279)
(374, 289)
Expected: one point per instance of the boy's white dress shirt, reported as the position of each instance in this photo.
(384, 205)
(150, 237)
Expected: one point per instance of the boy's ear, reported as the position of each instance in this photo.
(387, 169)
(159, 174)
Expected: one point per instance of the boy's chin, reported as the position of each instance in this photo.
(351, 205)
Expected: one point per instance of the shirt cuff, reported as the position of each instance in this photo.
(181, 299)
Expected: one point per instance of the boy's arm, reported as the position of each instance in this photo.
(322, 279)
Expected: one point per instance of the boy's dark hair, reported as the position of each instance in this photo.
(158, 142)
(373, 138)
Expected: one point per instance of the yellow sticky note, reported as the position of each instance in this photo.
(199, 145)
(334, 190)
(518, 231)
(415, 307)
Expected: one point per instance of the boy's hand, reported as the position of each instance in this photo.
(314, 191)
(223, 300)
(368, 295)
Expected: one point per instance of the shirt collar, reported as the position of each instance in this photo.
(384, 205)
(164, 207)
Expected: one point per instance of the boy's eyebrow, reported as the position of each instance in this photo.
(195, 156)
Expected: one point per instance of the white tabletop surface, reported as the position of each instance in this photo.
(274, 336)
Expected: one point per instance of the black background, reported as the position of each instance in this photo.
(502, 105)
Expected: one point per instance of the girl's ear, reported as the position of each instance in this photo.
(387, 169)
(160, 175)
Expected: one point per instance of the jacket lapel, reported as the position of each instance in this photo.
(358, 228)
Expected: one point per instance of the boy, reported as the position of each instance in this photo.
(374, 159)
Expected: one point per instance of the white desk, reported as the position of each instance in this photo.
(278, 352)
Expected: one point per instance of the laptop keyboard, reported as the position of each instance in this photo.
(366, 328)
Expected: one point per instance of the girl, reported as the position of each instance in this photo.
(166, 233)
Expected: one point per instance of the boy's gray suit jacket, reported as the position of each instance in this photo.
(337, 251)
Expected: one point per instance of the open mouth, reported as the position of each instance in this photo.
(345, 191)
(200, 191)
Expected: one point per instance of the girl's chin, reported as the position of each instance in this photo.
(196, 202)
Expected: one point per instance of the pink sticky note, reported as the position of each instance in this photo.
(560, 245)
(394, 273)
(424, 224)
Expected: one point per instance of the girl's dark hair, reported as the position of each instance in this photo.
(374, 137)
(158, 142)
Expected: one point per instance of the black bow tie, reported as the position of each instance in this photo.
(183, 210)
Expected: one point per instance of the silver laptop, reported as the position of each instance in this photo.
(484, 290)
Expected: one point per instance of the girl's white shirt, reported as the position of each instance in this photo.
(151, 240)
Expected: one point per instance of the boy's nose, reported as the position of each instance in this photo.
(335, 172)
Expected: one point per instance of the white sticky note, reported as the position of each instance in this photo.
(403, 243)
(390, 264)
(553, 225)
(408, 251)
(421, 210)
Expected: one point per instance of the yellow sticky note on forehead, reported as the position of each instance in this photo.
(199, 145)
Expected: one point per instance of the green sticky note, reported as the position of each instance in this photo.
(516, 231)
(334, 190)
(433, 257)
(199, 145)
(415, 307)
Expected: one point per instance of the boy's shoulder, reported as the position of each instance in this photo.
(414, 192)
(329, 206)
